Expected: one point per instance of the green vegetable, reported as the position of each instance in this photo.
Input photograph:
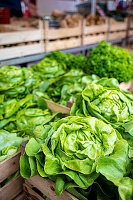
(9, 144)
(72, 62)
(16, 82)
(48, 68)
(109, 61)
(78, 150)
(108, 104)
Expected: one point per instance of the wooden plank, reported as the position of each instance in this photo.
(92, 39)
(63, 33)
(20, 51)
(117, 35)
(20, 197)
(130, 32)
(20, 36)
(15, 28)
(11, 189)
(118, 26)
(47, 188)
(95, 29)
(63, 44)
(29, 193)
(9, 166)
(55, 107)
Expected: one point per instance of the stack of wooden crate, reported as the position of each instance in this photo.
(117, 30)
(19, 42)
(61, 38)
(94, 34)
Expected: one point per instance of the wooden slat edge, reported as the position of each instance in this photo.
(47, 188)
(20, 37)
(11, 189)
(20, 51)
(9, 166)
(20, 197)
(29, 192)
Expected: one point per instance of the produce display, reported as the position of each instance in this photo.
(90, 152)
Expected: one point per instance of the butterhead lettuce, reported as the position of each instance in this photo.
(78, 151)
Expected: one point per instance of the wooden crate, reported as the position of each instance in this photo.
(94, 34)
(36, 184)
(117, 30)
(21, 42)
(61, 38)
(13, 189)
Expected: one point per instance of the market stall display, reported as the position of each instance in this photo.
(72, 151)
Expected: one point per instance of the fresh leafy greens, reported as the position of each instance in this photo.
(110, 105)
(9, 144)
(106, 60)
(76, 152)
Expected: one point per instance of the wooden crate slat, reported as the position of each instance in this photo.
(47, 188)
(11, 189)
(20, 197)
(117, 35)
(29, 193)
(93, 39)
(20, 36)
(95, 29)
(131, 25)
(63, 33)
(20, 51)
(63, 44)
(119, 26)
(9, 166)
(130, 32)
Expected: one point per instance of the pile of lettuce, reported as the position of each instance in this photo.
(65, 87)
(9, 144)
(16, 82)
(106, 60)
(48, 68)
(83, 153)
(71, 61)
(19, 119)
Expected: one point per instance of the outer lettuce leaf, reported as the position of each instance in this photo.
(125, 187)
